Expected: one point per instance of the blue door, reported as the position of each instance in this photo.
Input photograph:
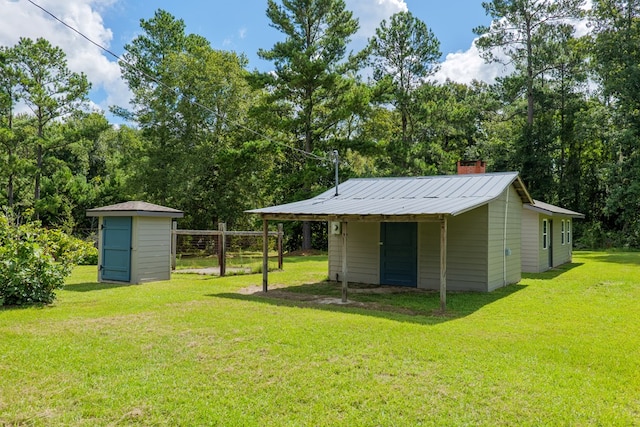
(116, 248)
(399, 253)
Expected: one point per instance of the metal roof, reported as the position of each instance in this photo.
(135, 208)
(551, 210)
(406, 196)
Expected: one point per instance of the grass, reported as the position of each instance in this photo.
(560, 348)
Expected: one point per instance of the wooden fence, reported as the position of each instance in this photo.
(222, 233)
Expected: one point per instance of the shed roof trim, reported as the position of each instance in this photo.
(551, 210)
(427, 196)
(135, 208)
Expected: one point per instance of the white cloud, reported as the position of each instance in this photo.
(23, 19)
(464, 67)
(371, 12)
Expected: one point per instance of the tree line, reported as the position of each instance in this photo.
(213, 138)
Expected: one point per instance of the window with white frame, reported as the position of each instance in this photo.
(545, 234)
(562, 232)
(568, 231)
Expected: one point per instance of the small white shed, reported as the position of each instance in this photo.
(134, 241)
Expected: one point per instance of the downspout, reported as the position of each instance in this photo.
(504, 241)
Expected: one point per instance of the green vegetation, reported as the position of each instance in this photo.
(34, 262)
(559, 348)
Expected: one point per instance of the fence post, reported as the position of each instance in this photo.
(280, 238)
(174, 244)
(222, 256)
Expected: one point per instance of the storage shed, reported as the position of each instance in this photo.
(547, 236)
(457, 232)
(134, 242)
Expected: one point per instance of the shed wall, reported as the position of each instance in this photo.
(466, 252)
(363, 253)
(151, 249)
(531, 244)
(504, 267)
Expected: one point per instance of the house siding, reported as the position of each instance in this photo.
(466, 252)
(428, 255)
(151, 249)
(363, 253)
(504, 268)
(536, 258)
(561, 252)
(543, 259)
(531, 241)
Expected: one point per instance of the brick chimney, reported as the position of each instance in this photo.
(471, 166)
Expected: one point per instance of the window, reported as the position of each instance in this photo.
(562, 232)
(568, 231)
(545, 234)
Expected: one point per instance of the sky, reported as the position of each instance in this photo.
(239, 25)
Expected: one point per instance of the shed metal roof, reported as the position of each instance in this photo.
(135, 208)
(407, 196)
(551, 210)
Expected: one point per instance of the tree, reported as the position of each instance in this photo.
(531, 36)
(522, 34)
(146, 68)
(189, 101)
(49, 89)
(310, 80)
(405, 52)
(616, 58)
(8, 139)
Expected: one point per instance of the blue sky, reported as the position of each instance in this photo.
(239, 25)
(243, 26)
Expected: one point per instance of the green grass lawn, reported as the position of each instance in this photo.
(560, 348)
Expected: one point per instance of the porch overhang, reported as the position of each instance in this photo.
(442, 219)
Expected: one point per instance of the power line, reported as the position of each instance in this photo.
(160, 83)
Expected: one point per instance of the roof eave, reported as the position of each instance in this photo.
(99, 213)
(547, 212)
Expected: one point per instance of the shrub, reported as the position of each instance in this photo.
(34, 262)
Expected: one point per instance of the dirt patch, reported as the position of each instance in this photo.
(279, 292)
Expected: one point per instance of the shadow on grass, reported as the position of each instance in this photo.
(389, 302)
(552, 273)
(614, 257)
(94, 286)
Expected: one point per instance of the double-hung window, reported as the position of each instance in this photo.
(545, 234)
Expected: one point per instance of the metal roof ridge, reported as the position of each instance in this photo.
(403, 178)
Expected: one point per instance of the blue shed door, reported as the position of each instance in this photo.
(399, 253)
(116, 248)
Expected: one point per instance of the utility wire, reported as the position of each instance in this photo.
(160, 83)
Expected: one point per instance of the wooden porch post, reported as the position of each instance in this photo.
(345, 279)
(174, 244)
(222, 250)
(443, 263)
(280, 238)
(265, 254)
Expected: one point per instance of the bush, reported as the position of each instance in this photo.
(34, 262)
